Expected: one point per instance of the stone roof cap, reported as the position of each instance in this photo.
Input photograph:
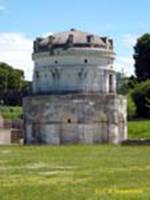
(72, 38)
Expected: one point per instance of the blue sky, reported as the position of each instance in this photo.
(22, 21)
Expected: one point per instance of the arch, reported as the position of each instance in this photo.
(67, 117)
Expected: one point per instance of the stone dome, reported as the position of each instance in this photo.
(72, 39)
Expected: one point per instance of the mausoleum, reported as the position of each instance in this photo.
(74, 97)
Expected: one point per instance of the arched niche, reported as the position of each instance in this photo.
(68, 118)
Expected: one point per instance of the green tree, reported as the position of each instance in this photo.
(10, 78)
(12, 85)
(141, 96)
(131, 106)
(15, 79)
(126, 84)
(4, 71)
(142, 57)
(148, 102)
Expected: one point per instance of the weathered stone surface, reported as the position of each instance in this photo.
(5, 136)
(56, 119)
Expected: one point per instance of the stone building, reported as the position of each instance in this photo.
(74, 96)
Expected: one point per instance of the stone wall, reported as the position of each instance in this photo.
(76, 118)
(17, 136)
(5, 136)
(11, 132)
(74, 79)
(75, 70)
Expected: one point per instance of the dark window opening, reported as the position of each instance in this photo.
(90, 38)
(85, 61)
(37, 75)
(70, 38)
(69, 121)
(56, 62)
(110, 83)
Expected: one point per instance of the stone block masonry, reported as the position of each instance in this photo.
(78, 118)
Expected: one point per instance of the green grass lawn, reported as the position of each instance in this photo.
(74, 173)
(139, 129)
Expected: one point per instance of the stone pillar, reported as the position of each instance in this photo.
(112, 83)
(113, 133)
(105, 82)
(28, 130)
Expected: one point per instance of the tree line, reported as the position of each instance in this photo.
(13, 85)
(138, 86)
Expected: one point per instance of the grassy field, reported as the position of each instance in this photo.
(74, 173)
(11, 112)
(139, 129)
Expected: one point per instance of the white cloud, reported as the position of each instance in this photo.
(16, 50)
(129, 40)
(125, 64)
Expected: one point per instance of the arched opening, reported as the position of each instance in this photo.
(86, 61)
(69, 121)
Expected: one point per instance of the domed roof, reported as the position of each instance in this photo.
(72, 38)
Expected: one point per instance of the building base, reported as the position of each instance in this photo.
(76, 118)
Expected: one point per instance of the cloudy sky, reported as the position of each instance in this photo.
(22, 21)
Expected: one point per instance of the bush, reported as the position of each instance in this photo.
(141, 96)
(11, 112)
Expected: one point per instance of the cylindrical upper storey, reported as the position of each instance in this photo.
(73, 61)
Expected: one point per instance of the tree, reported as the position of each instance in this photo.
(12, 85)
(141, 96)
(10, 78)
(4, 71)
(126, 84)
(142, 57)
(148, 102)
(15, 79)
(131, 106)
